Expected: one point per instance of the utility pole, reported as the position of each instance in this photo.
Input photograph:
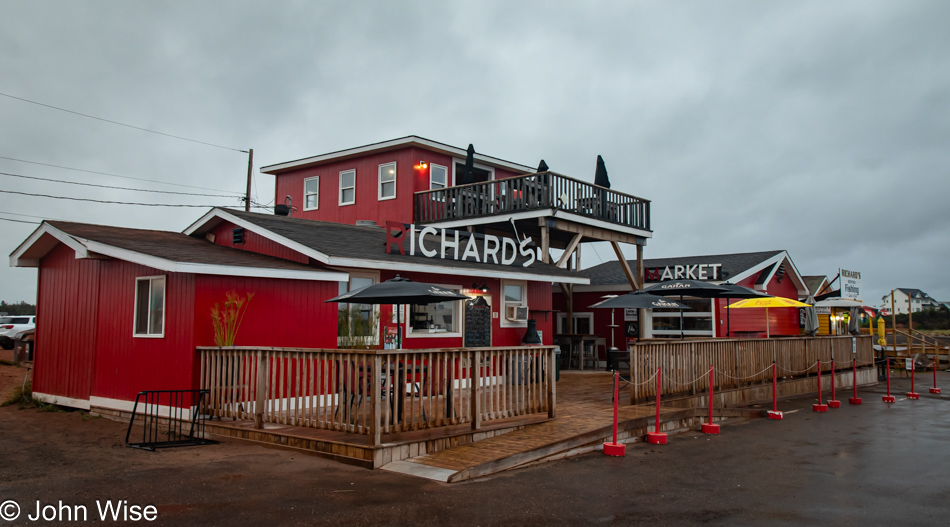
(250, 170)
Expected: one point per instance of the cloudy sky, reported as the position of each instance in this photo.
(817, 127)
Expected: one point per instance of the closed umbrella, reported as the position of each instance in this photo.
(772, 301)
(854, 321)
(468, 176)
(600, 174)
(811, 317)
(399, 291)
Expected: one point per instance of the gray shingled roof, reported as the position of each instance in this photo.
(610, 273)
(174, 246)
(339, 240)
(813, 282)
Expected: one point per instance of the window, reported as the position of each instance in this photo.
(150, 306)
(514, 306)
(696, 322)
(357, 324)
(387, 181)
(436, 320)
(347, 187)
(583, 323)
(438, 177)
(311, 193)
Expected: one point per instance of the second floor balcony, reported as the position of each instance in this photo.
(544, 191)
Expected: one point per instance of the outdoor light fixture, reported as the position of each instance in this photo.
(423, 164)
(483, 288)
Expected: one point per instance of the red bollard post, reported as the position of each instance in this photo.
(710, 427)
(888, 398)
(854, 368)
(913, 395)
(819, 407)
(656, 437)
(936, 360)
(615, 449)
(774, 413)
(833, 403)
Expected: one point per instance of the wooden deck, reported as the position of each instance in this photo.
(584, 421)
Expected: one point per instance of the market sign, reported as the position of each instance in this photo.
(706, 271)
(850, 284)
(449, 244)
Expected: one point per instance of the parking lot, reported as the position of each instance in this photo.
(871, 464)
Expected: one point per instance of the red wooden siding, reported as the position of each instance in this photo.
(410, 178)
(282, 313)
(253, 242)
(67, 298)
(125, 364)
(782, 321)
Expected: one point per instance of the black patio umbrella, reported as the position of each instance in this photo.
(468, 176)
(600, 175)
(398, 291)
(696, 288)
(639, 300)
(737, 291)
(542, 166)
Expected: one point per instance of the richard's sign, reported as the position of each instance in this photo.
(454, 245)
(850, 284)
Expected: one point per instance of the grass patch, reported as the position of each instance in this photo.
(8, 363)
(23, 399)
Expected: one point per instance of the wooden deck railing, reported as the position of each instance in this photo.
(738, 363)
(376, 392)
(544, 190)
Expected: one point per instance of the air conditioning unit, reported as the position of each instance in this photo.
(517, 313)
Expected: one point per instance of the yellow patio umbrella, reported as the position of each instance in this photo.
(772, 301)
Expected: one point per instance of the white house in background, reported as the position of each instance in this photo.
(919, 300)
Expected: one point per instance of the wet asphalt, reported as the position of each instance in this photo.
(874, 464)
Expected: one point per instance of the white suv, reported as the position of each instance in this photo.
(11, 325)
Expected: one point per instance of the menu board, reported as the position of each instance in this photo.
(477, 323)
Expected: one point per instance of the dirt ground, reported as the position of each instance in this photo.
(870, 464)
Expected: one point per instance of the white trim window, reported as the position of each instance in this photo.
(149, 316)
(514, 304)
(438, 177)
(347, 187)
(442, 319)
(311, 193)
(387, 181)
(357, 324)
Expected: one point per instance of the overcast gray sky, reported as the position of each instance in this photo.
(817, 127)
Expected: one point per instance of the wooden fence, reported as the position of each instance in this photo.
(737, 363)
(376, 392)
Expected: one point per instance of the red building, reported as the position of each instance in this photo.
(771, 272)
(122, 310)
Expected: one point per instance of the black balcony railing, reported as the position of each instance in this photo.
(545, 190)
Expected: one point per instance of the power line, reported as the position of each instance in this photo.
(21, 221)
(27, 216)
(116, 188)
(106, 201)
(121, 124)
(118, 176)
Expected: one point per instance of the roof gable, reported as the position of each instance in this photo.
(343, 245)
(164, 250)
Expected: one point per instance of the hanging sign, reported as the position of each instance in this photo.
(630, 314)
(850, 284)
